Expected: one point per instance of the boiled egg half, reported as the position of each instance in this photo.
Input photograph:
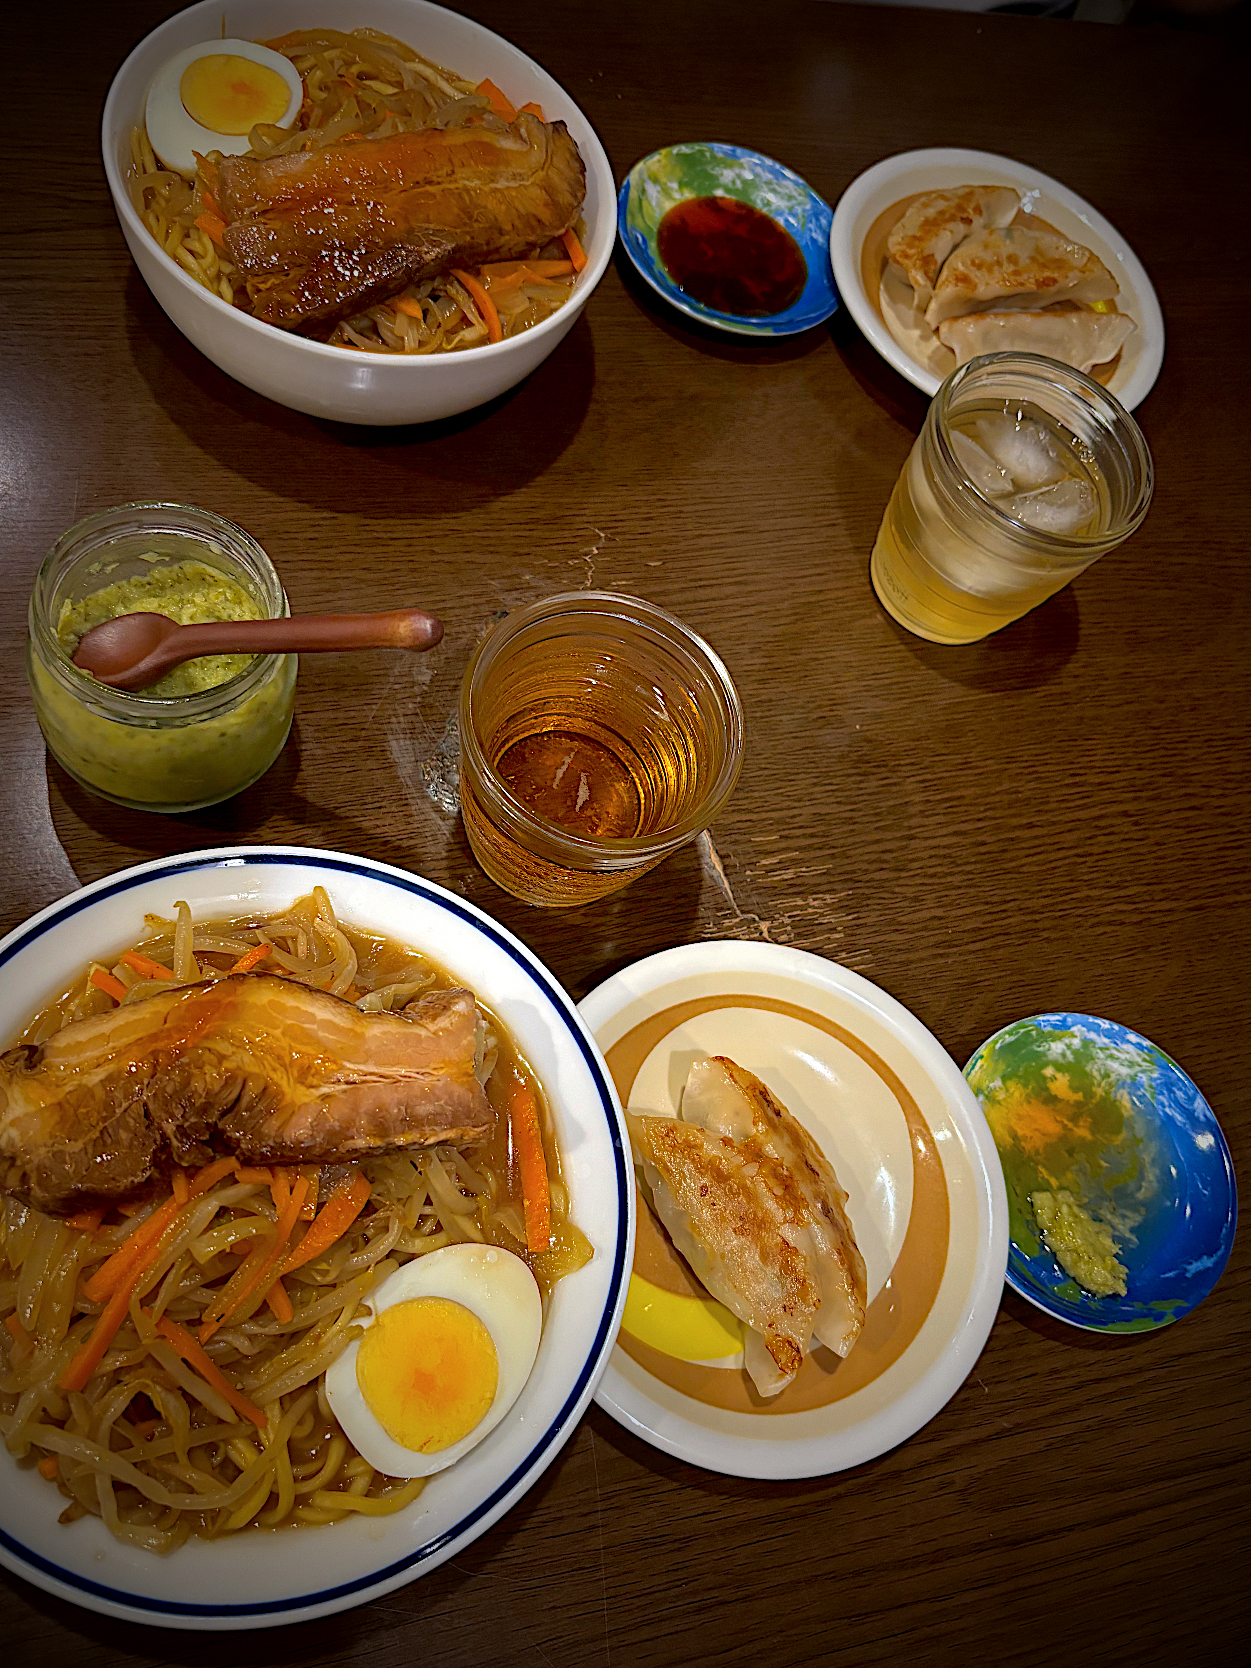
(210, 97)
(450, 1341)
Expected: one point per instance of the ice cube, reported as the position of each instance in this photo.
(1022, 447)
(986, 475)
(1064, 507)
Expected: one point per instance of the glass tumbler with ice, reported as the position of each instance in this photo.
(1025, 472)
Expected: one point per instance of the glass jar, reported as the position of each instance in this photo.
(1024, 473)
(167, 753)
(598, 734)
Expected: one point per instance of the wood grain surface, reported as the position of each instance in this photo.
(1055, 818)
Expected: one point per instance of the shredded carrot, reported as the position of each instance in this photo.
(211, 1174)
(195, 1357)
(254, 1173)
(406, 304)
(47, 1466)
(494, 329)
(145, 965)
(499, 103)
(333, 1220)
(130, 1254)
(528, 1145)
(107, 983)
(249, 959)
(181, 1186)
(260, 1270)
(576, 252)
(91, 1354)
(87, 1220)
(279, 1188)
(125, 1280)
(531, 109)
(279, 1303)
(17, 1331)
(212, 225)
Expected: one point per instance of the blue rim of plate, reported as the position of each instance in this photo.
(700, 168)
(32, 1565)
(1184, 1240)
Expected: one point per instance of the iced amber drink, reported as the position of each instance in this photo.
(598, 734)
(1025, 472)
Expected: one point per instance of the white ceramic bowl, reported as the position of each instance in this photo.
(874, 191)
(259, 1580)
(343, 383)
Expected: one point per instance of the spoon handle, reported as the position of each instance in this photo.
(401, 628)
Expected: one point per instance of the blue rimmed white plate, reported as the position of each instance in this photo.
(700, 169)
(254, 1579)
(1089, 1106)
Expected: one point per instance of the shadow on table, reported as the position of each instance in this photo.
(671, 1470)
(338, 1638)
(273, 810)
(428, 468)
(1025, 655)
(896, 396)
(720, 344)
(1058, 1332)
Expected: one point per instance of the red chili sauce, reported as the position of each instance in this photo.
(731, 257)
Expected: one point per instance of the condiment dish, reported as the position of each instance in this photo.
(346, 384)
(1089, 1106)
(679, 173)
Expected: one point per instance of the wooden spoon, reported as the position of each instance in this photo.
(134, 650)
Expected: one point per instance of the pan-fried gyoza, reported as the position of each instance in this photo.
(755, 1208)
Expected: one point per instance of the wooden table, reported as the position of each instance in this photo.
(1055, 818)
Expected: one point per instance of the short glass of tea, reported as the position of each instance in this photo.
(598, 734)
(1024, 473)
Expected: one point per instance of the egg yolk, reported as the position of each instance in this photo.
(228, 94)
(428, 1372)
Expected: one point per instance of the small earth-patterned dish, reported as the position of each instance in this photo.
(699, 169)
(1086, 1105)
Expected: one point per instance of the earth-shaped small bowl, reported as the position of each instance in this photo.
(1087, 1105)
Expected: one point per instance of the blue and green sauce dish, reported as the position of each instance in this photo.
(1122, 1203)
(684, 180)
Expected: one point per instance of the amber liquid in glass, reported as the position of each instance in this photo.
(575, 781)
(605, 743)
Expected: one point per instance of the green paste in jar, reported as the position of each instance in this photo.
(186, 740)
(189, 592)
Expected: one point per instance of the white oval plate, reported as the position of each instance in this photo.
(873, 192)
(261, 1580)
(908, 1141)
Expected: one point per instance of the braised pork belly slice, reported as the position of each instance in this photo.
(320, 235)
(254, 1065)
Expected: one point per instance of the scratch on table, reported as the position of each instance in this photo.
(588, 556)
(710, 859)
(599, 1524)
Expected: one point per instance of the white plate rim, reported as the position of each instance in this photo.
(773, 1459)
(845, 259)
(94, 1595)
